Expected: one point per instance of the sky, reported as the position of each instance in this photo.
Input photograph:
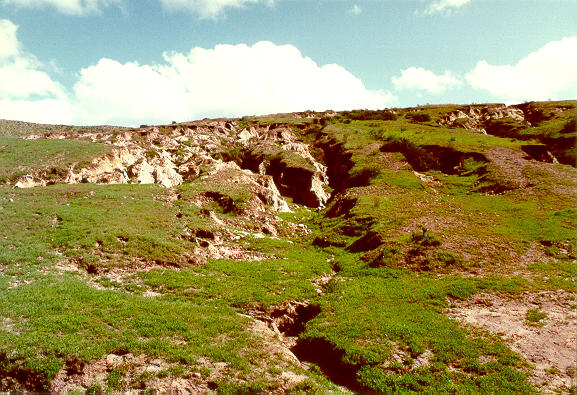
(133, 62)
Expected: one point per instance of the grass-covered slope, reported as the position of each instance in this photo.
(19, 157)
(443, 233)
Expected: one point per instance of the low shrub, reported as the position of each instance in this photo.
(368, 115)
(418, 117)
(419, 158)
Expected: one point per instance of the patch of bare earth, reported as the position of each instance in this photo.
(137, 372)
(273, 343)
(550, 345)
(133, 373)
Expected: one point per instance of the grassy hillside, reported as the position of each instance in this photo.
(206, 286)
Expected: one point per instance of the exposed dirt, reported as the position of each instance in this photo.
(172, 154)
(273, 164)
(511, 169)
(550, 344)
(287, 319)
(273, 344)
(475, 118)
(134, 373)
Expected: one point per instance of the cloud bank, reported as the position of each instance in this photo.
(209, 9)
(228, 80)
(417, 78)
(68, 7)
(26, 91)
(548, 73)
(444, 6)
(237, 80)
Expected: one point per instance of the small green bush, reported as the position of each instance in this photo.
(535, 317)
(418, 117)
(425, 240)
(419, 158)
(447, 258)
(368, 115)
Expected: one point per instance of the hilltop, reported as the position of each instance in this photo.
(407, 249)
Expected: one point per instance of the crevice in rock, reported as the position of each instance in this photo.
(433, 157)
(288, 321)
(292, 322)
(296, 182)
(370, 241)
(14, 375)
(275, 150)
(338, 161)
(450, 160)
(539, 152)
(513, 122)
(330, 360)
(289, 318)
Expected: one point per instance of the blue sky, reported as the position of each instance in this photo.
(130, 62)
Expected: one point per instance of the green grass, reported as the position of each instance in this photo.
(247, 283)
(555, 275)
(111, 225)
(52, 318)
(468, 140)
(23, 129)
(76, 262)
(229, 197)
(535, 317)
(374, 309)
(395, 197)
(19, 157)
(59, 317)
(48, 318)
(372, 316)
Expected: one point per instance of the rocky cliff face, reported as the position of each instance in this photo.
(476, 118)
(553, 125)
(170, 155)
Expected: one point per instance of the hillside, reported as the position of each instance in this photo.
(429, 248)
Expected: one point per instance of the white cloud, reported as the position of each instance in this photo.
(53, 111)
(9, 45)
(355, 10)
(548, 73)
(418, 78)
(21, 79)
(27, 92)
(209, 9)
(229, 80)
(114, 93)
(69, 7)
(444, 6)
(20, 72)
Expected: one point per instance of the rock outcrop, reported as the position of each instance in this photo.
(476, 118)
(173, 154)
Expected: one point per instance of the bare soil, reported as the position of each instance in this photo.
(549, 345)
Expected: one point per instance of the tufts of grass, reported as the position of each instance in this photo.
(425, 240)
(535, 317)
(115, 225)
(370, 318)
(59, 317)
(247, 283)
(23, 129)
(19, 157)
